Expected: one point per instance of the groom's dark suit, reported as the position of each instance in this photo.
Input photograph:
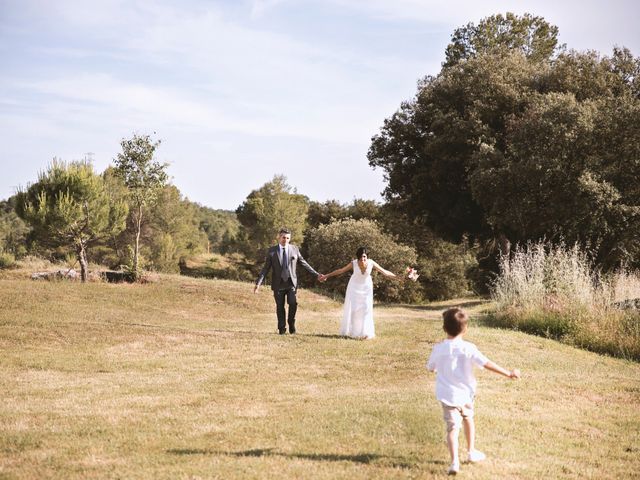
(284, 287)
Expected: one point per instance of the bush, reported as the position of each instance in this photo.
(7, 260)
(444, 268)
(333, 245)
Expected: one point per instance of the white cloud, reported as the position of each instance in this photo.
(260, 7)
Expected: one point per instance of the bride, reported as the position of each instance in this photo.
(357, 317)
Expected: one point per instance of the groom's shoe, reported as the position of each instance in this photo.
(282, 332)
(292, 331)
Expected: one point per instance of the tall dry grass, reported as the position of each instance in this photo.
(555, 291)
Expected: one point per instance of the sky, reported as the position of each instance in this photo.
(239, 91)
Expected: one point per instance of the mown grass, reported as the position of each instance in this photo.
(187, 378)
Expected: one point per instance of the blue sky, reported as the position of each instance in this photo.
(239, 91)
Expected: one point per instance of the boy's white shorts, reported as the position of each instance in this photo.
(453, 415)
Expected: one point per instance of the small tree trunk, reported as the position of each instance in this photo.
(504, 244)
(136, 250)
(82, 259)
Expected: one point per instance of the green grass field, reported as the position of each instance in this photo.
(187, 379)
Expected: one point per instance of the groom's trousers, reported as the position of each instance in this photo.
(286, 292)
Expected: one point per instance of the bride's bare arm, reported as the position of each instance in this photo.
(386, 273)
(339, 271)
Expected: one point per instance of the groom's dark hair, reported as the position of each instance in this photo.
(284, 230)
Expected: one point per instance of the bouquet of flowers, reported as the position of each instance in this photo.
(412, 274)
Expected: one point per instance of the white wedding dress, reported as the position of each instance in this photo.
(357, 317)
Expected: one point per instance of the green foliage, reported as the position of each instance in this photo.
(323, 213)
(220, 226)
(334, 245)
(444, 267)
(144, 178)
(13, 230)
(69, 206)
(266, 210)
(172, 231)
(509, 146)
(7, 260)
(561, 176)
(530, 35)
(427, 148)
(142, 175)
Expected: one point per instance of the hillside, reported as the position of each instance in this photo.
(187, 378)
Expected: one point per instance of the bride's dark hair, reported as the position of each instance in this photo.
(361, 251)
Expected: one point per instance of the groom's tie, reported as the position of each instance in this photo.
(284, 274)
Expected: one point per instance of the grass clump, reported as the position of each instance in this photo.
(7, 260)
(555, 291)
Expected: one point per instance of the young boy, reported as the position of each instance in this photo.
(453, 360)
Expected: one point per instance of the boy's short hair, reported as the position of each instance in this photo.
(284, 230)
(454, 321)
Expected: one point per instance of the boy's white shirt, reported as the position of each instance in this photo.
(453, 361)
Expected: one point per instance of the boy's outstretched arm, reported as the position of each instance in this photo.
(515, 373)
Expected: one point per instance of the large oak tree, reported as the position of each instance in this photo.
(505, 146)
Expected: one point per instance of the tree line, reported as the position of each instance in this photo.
(127, 217)
(517, 139)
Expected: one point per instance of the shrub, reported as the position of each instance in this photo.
(333, 245)
(7, 260)
(444, 269)
(555, 291)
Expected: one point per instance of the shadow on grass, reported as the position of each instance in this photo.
(362, 458)
(216, 331)
(433, 308)
(329, 335)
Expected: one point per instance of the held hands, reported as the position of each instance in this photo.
(322, 278)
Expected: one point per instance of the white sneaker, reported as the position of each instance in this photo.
(454, 468)
(476, 456)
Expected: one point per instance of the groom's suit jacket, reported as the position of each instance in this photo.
(272, 261)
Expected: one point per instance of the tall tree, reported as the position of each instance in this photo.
(220, 226)
(144, 177)
(427, 148)
(70, 206)
(267, 209)
(323, 213)
(502, 148)
(174, 233)
(532, 36)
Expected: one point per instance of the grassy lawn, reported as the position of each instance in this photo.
(187, 379)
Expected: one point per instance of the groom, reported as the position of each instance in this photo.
(283, 259)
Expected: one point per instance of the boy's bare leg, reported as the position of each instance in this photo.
(470, 432)
(452, 444)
